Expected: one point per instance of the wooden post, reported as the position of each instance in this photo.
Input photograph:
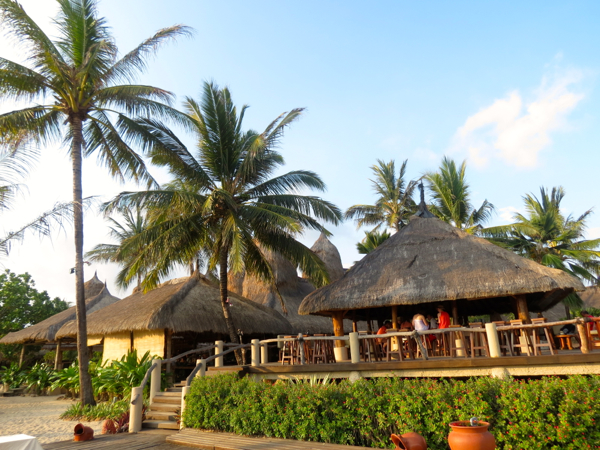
(455, 312)
(354, 324)
(395, 317)
(522, 309)
(168, 353)
(585, 346)
(58, 357)
(369, 325)
(339, 350)
(22, 357)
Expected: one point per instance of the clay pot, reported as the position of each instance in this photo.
(409, 441)
(466, 437)
(82, 433)
(108, 427)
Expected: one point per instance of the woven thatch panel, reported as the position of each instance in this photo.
(186, 304)
(149, 340)
(329, 254)
(116, 345)
(431, 261)
(94, 340)
(46, 330)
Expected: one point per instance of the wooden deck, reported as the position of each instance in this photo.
(564, 363)
(227, 441)
(151, 439)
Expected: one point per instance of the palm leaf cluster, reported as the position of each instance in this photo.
(546, 236)
(451, 200)
(394, 203)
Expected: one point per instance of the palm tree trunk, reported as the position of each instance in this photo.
(223, 257)
(85, 392)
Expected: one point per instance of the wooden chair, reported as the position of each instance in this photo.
(319, 352)
(504, 338)
(393, 346)
(370, 349)
(455, 336)
(537, 342)
(288, 351)
(593, 333)
(520, 339)
(479, 341)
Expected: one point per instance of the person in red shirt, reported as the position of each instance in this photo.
(383, 330)
(443, 318)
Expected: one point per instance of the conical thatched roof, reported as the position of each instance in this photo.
(93, 286)
(45, 331)
(431, 261)
(185, 304)
(329, 254)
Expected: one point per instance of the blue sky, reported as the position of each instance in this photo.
(512, 87)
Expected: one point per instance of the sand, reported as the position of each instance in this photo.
(39, 417)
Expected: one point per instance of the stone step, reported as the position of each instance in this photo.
(161, 415)
(160, 424)
(169, 407)
(175, 389)
(168, 394)
(167, 400)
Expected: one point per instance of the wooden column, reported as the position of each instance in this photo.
(168, 348)
(22, 357)
(583, 336)
(58, 356)
(395, 317)
(455, 312)
(369, 324)
(522, 309)
(354, 324)
(338, 326)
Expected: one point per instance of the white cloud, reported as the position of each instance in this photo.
(507, 214)
(593, 233)
(515, 130)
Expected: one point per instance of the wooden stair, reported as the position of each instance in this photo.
(228, 441)
(164, 410)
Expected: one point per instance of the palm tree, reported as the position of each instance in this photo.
(72, 83)
(546, 236)
(394, 204)
(231, 205)
(451, 197)
(371, 241)
(134, 223)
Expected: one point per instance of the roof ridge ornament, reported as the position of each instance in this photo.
(423, 211)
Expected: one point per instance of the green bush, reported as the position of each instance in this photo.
(101, 411)
(13, 375)
(551, 413)
(39, 378)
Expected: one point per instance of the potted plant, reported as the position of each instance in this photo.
(471, 435)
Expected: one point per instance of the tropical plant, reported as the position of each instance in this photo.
(72, 83)
(235, 208)
(546, 236)
(451, 198)
(67, 378)
(39, 378)
(394, 204)
(13, 375)
(371, 241)
(118, 378)
(134, 223)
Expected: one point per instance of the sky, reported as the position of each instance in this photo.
(510, 87)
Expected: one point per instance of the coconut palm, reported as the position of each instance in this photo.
(231, 204)
(451, 197)
(371, 241)
(72, 83)
(546, 236)
(394, 204)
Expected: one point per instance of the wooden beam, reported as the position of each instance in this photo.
(583, 336)
(22, 357)
(395, 317)
(522, 308)
(58, 356)
(455, 312)
(337, 318)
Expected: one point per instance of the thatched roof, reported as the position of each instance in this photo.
(329, 254)
(45, 331)
(185, 304)
(431, 261)
(93, 286)
(292, 288)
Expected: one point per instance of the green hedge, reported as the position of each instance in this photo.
(551, 413)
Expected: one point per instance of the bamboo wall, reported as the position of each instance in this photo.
(149, 340)
(116, 345)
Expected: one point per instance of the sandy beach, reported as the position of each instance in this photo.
(39, 417)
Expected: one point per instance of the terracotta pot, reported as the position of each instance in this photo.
(108, 427)
(82, 433)
(466, 437)
(409, 441)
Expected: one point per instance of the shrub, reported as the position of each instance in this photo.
(550, 413)
(101, 411)
(67, 378)
(13, 375)
(39, 378)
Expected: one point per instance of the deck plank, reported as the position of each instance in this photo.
(226, 441)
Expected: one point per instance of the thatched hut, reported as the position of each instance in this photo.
(429, 262)
(97, 297)
(175, 317)
(292, 288)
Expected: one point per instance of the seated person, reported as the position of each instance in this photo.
(383, 330)
(433, 324)
(406, 325)
(568, 329)
(443, 317)
(420, 324)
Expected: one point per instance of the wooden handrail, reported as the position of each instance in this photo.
(578, 320)
(191, 376)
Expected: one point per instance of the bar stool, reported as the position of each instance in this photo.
(478, 341)
(455, 336)
(398, 350)
(537, 342)
(287, 351)
(504, 338)
(404, 342)
(370, 349)
(522, 338)
(319, 352)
